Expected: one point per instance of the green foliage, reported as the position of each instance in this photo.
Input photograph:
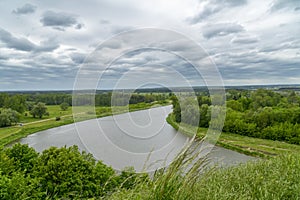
(176, 108)
(29, 105)
(128, 178)
(19, 187)
(39, 110)
(65, 173)
(15, 102)
(22, 156)
(235, 105)
(8, 117)
(58, 173)
(49, 98)
(277, 178)
(189, 111)
(64, 106)
(262, 113)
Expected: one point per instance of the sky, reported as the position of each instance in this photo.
(45, 45)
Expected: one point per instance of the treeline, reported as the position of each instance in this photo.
(118, 99)
(103, 99)
(262, 113)
(59, 173)
(12, 106)
(18, 101)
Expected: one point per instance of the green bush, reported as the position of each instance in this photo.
(58, 173)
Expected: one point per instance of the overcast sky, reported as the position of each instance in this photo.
(44, 43)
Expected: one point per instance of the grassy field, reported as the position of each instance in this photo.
(277, 178)
(242, 144)
(31, 125)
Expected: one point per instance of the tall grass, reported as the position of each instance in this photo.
(177, 181)
(189, 177)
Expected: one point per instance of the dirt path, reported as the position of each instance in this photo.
(44, 120)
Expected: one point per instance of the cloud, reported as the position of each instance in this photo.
(120, 29)
(285, 5)
(244, 40)
(281, 46)
(3, 57)
(25, 9)
(78, 58)
(221, 29)
(248, 66)
(211, 7)
(23, 44)
(60, 20)
(78, 26)
(104, 21)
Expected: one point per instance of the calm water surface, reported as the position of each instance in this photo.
(126, 140)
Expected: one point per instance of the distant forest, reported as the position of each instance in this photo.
(261, 113)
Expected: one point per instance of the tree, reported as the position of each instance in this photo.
(29, 105)
(176, 108)
(15, 102)
(64, 106)
(39, 110)
(65, 172)
(3, 97)
(23, 157)
(8, 117)
(235, 105)
(204, 115)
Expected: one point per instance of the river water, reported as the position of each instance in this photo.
(142, 139)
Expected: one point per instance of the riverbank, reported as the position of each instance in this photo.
(32, 125)
(242, 144)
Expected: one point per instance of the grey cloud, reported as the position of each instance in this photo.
(78, 58)
(79, 26)
(36, 75)
(141, 60)
(244, 40)
(60, 20)
(221, 29)
(285, 4)
(104, 21)
(15, 43)
(120, 29)
(23, 44)
(3, 57)
(112, 44)
(212, 7)
(25, 9)
(256, 65)
(281, 46)
(48, 45)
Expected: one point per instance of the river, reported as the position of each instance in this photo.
(142, 139)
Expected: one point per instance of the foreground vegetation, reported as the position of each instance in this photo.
(65, 173)
(274, 179)
(57, 173)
